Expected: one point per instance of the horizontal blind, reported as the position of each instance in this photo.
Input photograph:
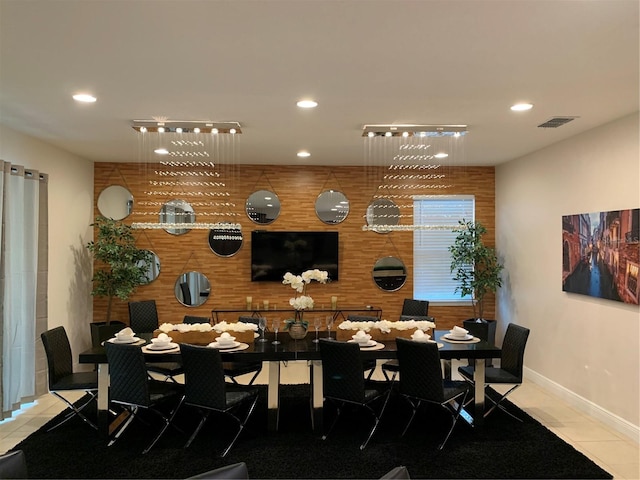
(431, 258)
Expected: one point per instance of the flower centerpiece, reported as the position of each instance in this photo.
(301, 301)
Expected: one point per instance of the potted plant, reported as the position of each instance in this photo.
(297, 327)
(477, 268)
(121, 267)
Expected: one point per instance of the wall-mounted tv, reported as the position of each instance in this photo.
(275, 253)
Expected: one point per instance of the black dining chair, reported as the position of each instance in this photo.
(131, 387)
(62, 378)
(367, 365)
(421, 381)
(235, 471)
(193, 319)
(413, 309)
(510, 370)
(13, 465)
(205, 389)
(343, 383)
(143, 318)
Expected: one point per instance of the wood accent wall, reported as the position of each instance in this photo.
(297, 187)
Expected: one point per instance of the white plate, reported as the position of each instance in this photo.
(459, 339)
(226, 347)
(116, 340)
(169, 346)
(370, 343)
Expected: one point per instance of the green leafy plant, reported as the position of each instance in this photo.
(121, 267)
(476, 266)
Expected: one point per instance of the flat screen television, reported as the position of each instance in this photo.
(275, 253)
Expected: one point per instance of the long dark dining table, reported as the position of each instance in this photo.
(305, 349)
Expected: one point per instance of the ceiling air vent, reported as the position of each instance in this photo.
(556, 122)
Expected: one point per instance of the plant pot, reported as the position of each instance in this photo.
(483, 329)
(297, 331)
(100, 331)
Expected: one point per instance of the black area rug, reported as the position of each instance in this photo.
(502, 448)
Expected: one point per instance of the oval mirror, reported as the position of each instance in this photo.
(389, 273)
(382, 212)
(153, 266)
(263, 206)
(192, 289)
(115, 202)
(225, 241)
(177, 212)
(332, 206)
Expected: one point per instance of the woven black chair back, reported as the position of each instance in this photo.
(248, 319)
(420, 370)
(143, 316)
(513, 345)
(128, 378)
(362, 318)
(342, 368)
(412, 307)
(204, 377)
(191, 319)
(58, 352)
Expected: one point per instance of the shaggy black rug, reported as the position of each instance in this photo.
(502, 448)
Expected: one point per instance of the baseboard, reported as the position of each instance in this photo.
(586, 406)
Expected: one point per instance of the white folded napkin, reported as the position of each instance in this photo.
(125, 334)
(161, 340)
(361, 337)
(458, 332)
(225, 339)
(420, 336)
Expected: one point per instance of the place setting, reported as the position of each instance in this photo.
(365, 342)
(161, 344)
(227, 343)
(422, 337)
(125, 336)
(459, 335)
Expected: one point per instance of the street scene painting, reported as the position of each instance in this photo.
(601, 254)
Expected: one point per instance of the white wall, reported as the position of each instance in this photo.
(585, 348)
(70, 214)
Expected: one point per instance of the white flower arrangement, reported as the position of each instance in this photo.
(299, 284)
(235, 327)
(385, 326)
(185, 327)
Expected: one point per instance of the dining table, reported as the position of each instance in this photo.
(305, 349)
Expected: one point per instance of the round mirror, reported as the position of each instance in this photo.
(225, 241)
(263, 207)
(177, 212)
(192, 289)
(115, 202)
(153, 266)
(332, 206)
(382, 212)
(389, 273)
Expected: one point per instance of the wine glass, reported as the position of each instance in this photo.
(317, 323)
(276, 327)
(329, 325)
(262, 325)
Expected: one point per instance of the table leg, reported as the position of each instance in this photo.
(478, 380)
(273, 396)
(103, 398)
(317, 397)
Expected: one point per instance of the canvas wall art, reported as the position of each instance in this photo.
(601, 254)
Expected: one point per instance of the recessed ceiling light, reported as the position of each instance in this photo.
(161, 151)
(304, 154)
(84, 98)
(521, 107)
(307, 104)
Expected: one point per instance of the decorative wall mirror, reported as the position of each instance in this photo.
(263, 207)
(176, 212)
(115, 202)
(332, 207)
(389, 273)
(153, 267)
(382, 212)
(225, 241)
(192, 289)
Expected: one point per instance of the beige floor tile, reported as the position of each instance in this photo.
(616, 452)
(625, 471)
(586, 430)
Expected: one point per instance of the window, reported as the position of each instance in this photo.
(431, 258)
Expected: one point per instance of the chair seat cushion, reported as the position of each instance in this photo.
(165, 368)
(159, 390)
(240, 368)
(452, 388)
(491, 375)
(237, 396)
(77, 381)
(391, 365)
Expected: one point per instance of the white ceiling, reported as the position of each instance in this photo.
(365, 62)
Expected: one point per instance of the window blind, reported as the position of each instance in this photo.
(431, 258)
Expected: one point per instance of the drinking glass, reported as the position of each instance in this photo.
(262, 325)
(329, 325)
(317, 323)
(276, 327)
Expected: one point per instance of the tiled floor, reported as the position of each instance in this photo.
(611, 450)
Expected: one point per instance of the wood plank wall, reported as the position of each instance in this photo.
(297, 188)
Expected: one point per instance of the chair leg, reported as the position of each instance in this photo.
(205, 415)
(414, 408)
(124, 426)
(499, 404)
(253, 379)
(241, 426)
(76, 410)
(377, 421)
(335, 420)
(455, 414)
